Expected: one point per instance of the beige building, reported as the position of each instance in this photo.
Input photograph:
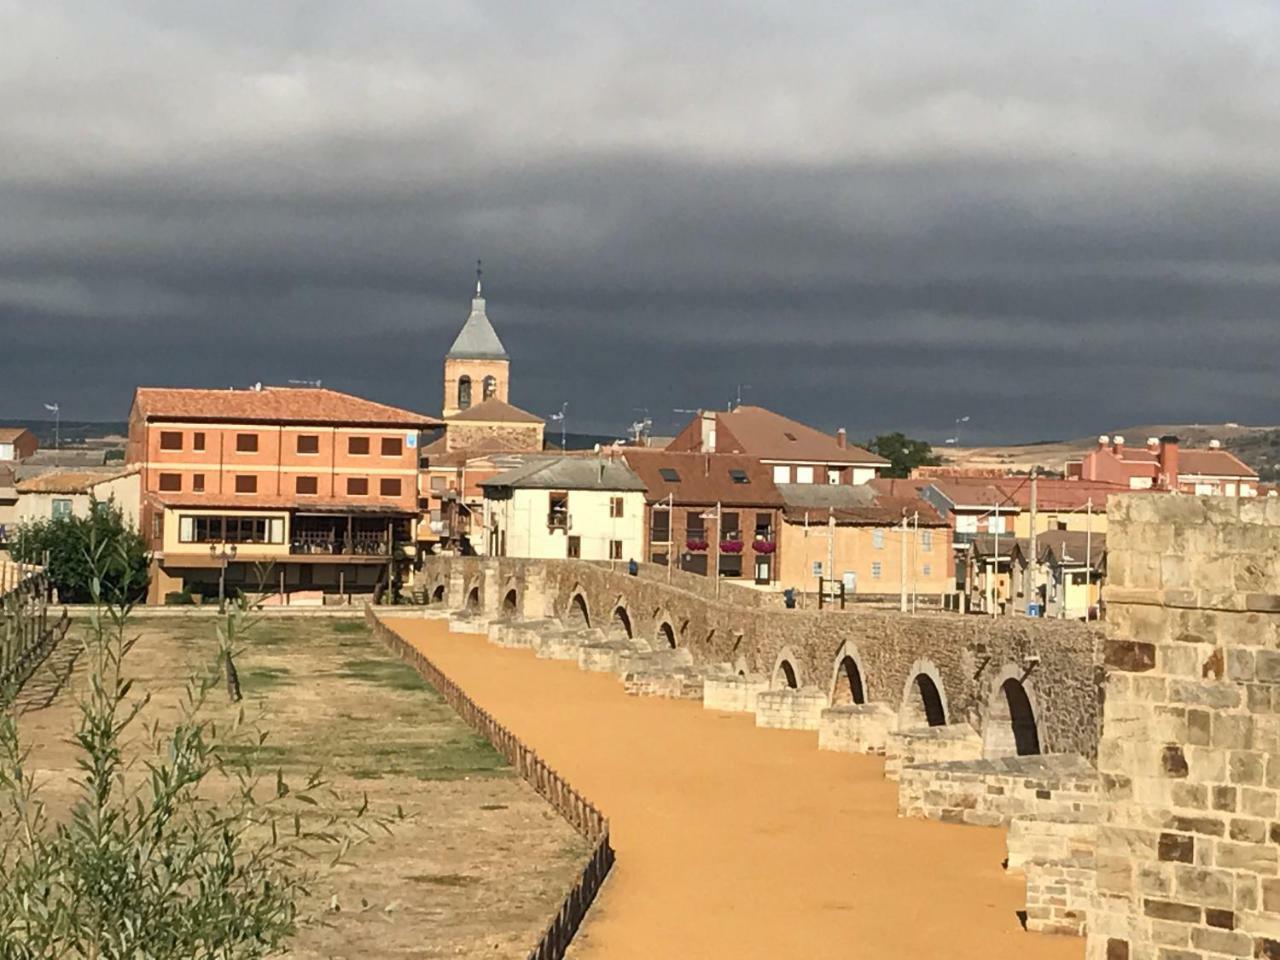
(858, 537)
(590, 508)
(61, 493)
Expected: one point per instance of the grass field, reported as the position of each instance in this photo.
(479, 864)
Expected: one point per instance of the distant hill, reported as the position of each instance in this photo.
(1259, 447)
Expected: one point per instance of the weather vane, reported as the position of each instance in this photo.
(479, 275)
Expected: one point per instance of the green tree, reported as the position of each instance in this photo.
(65, 541)
(903, 453)
(176, 845)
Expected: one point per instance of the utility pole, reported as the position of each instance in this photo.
(671, 528)
(831, 543)
(995, 572)
(1035, 557)
(902, 564)
(1088, 556)
(915, 538)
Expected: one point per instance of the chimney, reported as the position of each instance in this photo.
(1168, 457)
(1117, 445)
(708, 418)
(842, 438)
(1103, 442)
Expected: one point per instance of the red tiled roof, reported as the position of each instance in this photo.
(704, 477)
(272, 405)
(69, 481)
(771, 436)
(1212, 463)
(494, 410)
(9, 434)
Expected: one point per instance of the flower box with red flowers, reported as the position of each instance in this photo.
(730, 546)
(694, 545)
(763, 546)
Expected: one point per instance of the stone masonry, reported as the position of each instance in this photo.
(1188, 860)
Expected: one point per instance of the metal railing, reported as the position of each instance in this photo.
(580, 812)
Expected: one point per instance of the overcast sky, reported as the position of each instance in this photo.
(1054, 218)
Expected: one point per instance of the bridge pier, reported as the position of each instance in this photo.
(857, 727)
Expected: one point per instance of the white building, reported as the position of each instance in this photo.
(61, 493)
(548, 508)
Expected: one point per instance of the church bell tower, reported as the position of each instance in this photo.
(477, 367)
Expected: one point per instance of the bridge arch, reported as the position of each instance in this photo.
(1011, 727)
(510, 602)
(848, 682)
(665, 635)
(437, 593)
(786, 671)
(577, 614)
(620, 623)
(924, 699)
(472, 603)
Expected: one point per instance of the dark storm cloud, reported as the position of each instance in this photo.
(1054, 223)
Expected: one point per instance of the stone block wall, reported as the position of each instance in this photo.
(1059, 894)
(917, 745)
(857, 728)
(1188, 862)
(1033, 837)
(733, 694)
(993, 792)
(790, 709)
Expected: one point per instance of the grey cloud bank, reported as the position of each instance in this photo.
(1054, 221)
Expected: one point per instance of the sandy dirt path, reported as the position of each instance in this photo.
(737, 842)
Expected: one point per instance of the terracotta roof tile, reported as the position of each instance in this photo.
(494, 410)
(69, 481)
(272, 405)
(771, 436)
(9, 434)
(704, 478)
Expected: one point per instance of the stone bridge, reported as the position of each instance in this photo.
(1137, 770)
(1020, 685)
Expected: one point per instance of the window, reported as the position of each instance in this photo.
(739, 476)
(804, 474)
(693, 525)
(730, 564)
(464, 392)
(308, 443)
(995, 524)
(357, 486)
(246, 443)
(170, 440)
(817, 568)
(615, 507)
(927, 570)
(574, 548)
(764, 525)
(615, 549)
(246, 483)
(926, 540)
(197, 483)
(61, 508)
(170, 481)
(157, 526)
(389, 487)
(661, 532)
(197, 440)
(669, 474)
(307, 486)
(558, 510)
(728, 525)
(966, 523)
(781, 474)
(833, 475)
(437, 484)
(875, 570)
(392, 446)
(877, 539)
(358, 446)
(490, 387)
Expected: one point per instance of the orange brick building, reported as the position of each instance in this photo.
(316, 490)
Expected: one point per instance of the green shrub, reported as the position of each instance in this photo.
(68, 542)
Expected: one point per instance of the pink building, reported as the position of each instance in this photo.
(1163, 465)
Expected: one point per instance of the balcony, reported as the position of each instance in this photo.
(346, 537)
(559, 520)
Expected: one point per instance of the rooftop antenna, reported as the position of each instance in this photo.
(479, 275)
(564, 408)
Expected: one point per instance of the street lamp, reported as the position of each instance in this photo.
(223, 553)
(956, 438)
